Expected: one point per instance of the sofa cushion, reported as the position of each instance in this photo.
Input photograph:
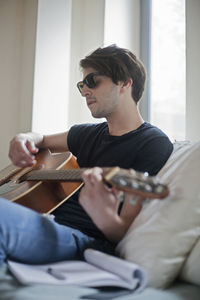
(191, 268)
(163, 234)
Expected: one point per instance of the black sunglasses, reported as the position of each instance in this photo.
(89, 80)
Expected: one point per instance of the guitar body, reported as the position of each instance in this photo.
(42, 196)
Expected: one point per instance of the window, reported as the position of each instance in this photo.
(167, 67)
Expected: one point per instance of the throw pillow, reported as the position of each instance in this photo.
(165, 231)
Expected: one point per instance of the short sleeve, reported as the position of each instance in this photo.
(152, 157)
(79, 138)
(74, 138)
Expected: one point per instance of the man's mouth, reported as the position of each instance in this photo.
(90, 102)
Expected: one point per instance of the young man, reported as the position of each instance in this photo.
(112, 86)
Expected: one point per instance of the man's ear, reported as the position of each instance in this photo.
(126, 84)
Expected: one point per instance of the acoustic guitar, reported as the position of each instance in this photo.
(56, 177)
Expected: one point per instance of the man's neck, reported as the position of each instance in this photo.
(124, 121)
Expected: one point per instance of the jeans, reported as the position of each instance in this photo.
(29, 237)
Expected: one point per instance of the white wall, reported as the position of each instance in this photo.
(18, 23)
(17, 51)
(62, 26)
(87, 33)
(121, 27)
(192, 69)
(51, 82)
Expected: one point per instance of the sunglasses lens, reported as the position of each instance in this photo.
(80, 85)
(90, 81)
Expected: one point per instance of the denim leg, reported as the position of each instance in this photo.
(29, 237)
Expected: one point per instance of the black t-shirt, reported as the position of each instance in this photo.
(145, 149)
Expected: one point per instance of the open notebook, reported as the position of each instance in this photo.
(98, 269)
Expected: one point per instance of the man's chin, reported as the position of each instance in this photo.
(96, 115)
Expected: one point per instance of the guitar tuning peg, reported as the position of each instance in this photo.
(134, 184)
(121, 197)
(134, 199)
(159, 189)
(148, 187)
(145, 201)
(122, 182)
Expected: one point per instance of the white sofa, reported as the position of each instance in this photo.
(164, 239)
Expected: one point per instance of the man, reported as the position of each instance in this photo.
(113, 84)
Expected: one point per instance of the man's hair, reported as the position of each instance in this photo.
(120, 65)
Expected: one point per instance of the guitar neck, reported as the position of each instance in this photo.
(126, 180)
(69, 175)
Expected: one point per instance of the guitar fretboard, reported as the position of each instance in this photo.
(56, 175)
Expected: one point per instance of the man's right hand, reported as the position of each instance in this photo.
(23, 148)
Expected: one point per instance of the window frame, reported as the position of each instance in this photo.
(145, 54)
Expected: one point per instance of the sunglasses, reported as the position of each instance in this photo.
(90, 81)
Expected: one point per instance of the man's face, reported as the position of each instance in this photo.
(103, 99)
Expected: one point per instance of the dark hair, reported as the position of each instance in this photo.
(119, 64)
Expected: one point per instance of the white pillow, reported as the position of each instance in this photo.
(177, 154)
(165, 231)
(191, 268)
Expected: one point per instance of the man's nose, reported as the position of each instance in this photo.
(86, 91)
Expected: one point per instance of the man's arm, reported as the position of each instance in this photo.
(101, 204)
(24, 146)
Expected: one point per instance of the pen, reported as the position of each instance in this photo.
(56, 274)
